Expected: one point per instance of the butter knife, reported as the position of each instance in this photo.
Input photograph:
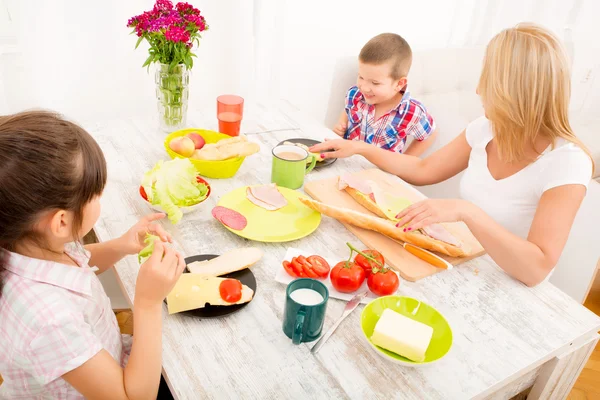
(350, 306)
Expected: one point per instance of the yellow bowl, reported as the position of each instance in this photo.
(210, 169)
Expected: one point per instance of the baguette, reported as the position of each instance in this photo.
(365, 202)
(231, 261)
(385, 227)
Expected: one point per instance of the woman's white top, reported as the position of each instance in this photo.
(512, 201)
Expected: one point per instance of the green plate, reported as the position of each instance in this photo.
(292, 222)
(441, 341)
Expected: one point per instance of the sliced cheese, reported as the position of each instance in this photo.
(194, 291)
(402, 335)
(389, 204)
(231, 261)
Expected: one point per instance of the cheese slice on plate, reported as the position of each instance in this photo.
(402, 335)
(194, 291)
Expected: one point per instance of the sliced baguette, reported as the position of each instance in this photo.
(231, 261)
(385, 227)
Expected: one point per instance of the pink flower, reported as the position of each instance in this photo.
(186, 8)
(163, 6)
(177, 34)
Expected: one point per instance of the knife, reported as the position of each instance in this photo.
(427, 256)
(350, 306)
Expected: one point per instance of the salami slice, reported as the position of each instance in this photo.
(230, 218)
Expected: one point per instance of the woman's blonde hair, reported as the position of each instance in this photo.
(525, 87)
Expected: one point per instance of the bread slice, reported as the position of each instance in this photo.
(231, 261)
(385, 227)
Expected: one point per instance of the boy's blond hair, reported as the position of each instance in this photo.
(386, 47)
(525, 87)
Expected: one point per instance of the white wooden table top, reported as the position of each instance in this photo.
(502, 329)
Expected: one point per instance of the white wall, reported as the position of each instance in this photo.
(78, 57)
(317, 35)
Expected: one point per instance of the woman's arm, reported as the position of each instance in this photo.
(418, 147)
(439, 166)
(528, 260)
(531, 260)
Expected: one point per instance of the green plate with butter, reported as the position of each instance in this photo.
(441, 339)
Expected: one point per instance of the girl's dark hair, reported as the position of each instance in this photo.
(46, 163)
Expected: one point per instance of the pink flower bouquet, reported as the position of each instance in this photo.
(171, 33)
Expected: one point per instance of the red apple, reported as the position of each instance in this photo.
(183, 146)
(197, 139)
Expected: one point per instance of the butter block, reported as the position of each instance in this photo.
(194, 291)
(402, 335)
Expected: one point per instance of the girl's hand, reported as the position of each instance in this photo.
(133, 240)
(341, 148)
(432, 211)
(158, 275)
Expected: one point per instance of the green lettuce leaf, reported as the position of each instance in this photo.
(172, 184)
(147, 251)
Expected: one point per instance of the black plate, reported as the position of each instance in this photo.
(245, 276)
(309, 143)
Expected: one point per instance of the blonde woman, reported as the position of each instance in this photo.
(526, 171)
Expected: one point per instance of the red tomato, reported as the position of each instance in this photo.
(143, 193)
(288, 268)
(319, 265)
(347, 277)
(367, 264)
(231, 290)
(297, 267)
(306, 267)
(383, 282)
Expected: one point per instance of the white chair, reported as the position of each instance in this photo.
(445, 81)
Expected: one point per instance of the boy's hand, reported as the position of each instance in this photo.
(341, 148)
(340, 128)
(158, 275)
(133, 240)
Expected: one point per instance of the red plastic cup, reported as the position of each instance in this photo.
(230, 109)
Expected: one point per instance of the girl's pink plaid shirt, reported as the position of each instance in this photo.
(54, 317)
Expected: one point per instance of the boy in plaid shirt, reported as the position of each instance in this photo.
(378, 109)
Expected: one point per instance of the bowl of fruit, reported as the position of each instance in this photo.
(213, 154)
(174, 188)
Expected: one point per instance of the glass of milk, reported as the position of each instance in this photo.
(305, 306)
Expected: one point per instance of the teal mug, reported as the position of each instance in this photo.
(290, 166)
(305, 306)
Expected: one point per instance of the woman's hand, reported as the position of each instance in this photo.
(133, 240)
(341, 148)
(431, 211)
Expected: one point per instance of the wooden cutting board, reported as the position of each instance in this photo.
(409, 266)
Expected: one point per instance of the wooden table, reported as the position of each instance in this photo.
(507, 337)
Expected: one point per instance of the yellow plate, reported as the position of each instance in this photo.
(294, 221)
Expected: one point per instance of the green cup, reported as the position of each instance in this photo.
(290, 166)
(305, 306)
